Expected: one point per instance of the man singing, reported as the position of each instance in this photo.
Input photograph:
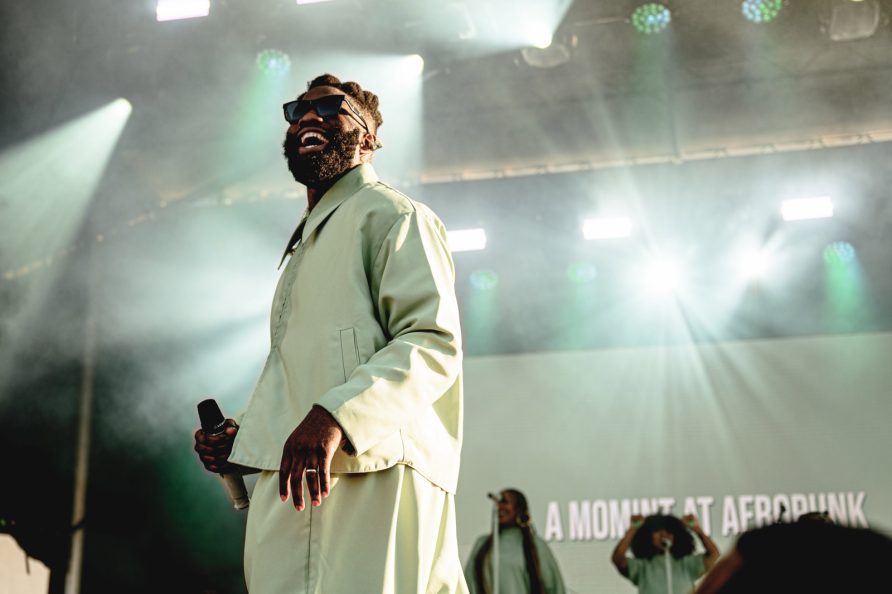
(360, 399)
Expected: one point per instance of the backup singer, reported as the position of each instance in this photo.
(526, 564)
(663, 550)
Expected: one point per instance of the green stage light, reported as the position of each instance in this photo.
(761, 11)
(848, 307)
(839, 253)
(582, 272)
(651, 18)
(274, 62)
(484, 280)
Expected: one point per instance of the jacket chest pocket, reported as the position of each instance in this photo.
(349, 351)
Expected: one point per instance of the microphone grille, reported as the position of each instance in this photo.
(210, 414)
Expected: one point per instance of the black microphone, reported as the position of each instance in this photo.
(214, 423)
(780, 514)
(667, 544)
(494, 497)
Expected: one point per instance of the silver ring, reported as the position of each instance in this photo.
(309, 470)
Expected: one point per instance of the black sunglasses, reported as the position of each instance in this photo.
(327, 107)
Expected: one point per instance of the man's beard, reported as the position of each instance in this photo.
(321, 167)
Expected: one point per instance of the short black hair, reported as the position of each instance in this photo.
(366, 101)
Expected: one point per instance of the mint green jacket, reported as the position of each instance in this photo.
(365, 324)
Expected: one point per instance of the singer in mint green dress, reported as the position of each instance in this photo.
(526, 563)
(664, 560)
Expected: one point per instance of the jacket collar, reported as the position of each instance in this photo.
(342, 189)
(351, 183)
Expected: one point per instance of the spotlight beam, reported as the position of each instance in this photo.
(53, 177)
(48, 183)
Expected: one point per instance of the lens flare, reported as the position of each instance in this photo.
(274, 62)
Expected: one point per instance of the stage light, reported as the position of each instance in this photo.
(484, 280)
(846, 293)
(552, 56)
(854, 19)
(807, 208)
(120, 108)
(582, 272)
(663, 276)
(839, 253)
(274, 62)
(541, 37)
(651, 18)
(77, 154)
(607, 228)
(761, 11)
(413, 65)
(755, 264)
(466, 240)
(173, 10)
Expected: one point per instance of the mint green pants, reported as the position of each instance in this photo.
(388, 532)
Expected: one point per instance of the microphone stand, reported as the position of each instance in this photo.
(666, 546)
(495, 542)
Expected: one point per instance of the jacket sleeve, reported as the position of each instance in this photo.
(551, 572)
(412, 284)
(470, 571)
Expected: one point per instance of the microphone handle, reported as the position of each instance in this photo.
(238, 492)
(234, 483)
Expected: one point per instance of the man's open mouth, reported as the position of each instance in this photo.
(311, 141)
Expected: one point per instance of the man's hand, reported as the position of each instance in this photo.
(309, 449)
(214, 450)
(636, 520)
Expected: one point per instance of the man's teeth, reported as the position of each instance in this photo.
(312, 139)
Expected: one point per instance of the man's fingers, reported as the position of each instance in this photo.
(325, 476)
(284, 475)
(296, 482)
(313, 480)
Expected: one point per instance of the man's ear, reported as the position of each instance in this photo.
(370, 143)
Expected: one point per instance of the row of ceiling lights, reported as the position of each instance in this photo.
(654, 17)
(665, 274)
(650, 17)
(856, 18)
(172, 10)
(600, 228)
(849, 20)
